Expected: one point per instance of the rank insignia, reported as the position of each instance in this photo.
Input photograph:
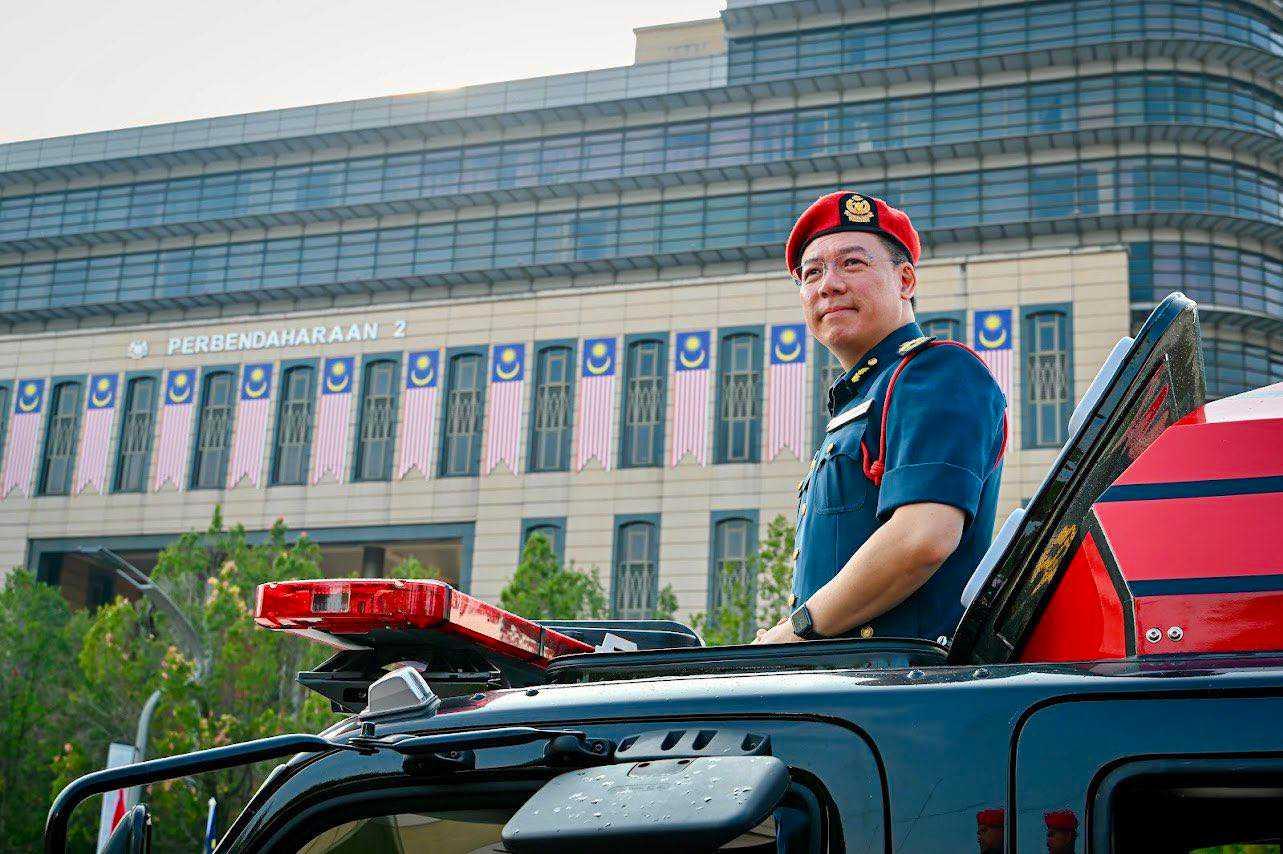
(909, 346)
(858, 209)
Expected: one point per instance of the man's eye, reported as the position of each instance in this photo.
(811, 274)
(850, 263)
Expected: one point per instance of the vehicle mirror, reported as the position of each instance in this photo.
(688, 804)
(132, 834)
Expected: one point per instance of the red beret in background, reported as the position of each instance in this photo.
(847, 211)
(1061, 820)
(991, 818)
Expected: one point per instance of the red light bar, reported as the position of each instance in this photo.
(334, 611)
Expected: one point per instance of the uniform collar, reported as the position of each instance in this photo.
(855, 382)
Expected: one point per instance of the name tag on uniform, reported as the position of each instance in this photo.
(844, 418)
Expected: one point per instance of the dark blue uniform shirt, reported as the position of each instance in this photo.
(945, 435)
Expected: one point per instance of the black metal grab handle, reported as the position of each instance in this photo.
(170, 767)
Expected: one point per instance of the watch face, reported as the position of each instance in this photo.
(801, 622)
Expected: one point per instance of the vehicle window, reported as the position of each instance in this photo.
(445, 832)
(462, 832)
(1200, 814)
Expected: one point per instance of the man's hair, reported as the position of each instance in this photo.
(899, 255)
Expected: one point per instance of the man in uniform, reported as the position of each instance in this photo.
(1062, 831)
(898, 506)
(989, 830)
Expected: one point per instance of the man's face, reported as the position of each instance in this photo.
(989, 838)
(852, 294)
(1060, 841)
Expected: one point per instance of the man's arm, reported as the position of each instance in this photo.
(891, 565)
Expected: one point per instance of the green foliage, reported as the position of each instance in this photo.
(412, 568)
(247, 691)
(666, 604)
(757, 599)
(39, 636)
(542, 589)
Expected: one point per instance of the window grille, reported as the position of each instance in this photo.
(550, 438)
(213, 436)
(294, 425)
(636, 573)
(731, 559)
(643, 436)
(1048, 387)
(61, 439)
(378, 421)
(740, 395)
(461, 448)
(136, 425)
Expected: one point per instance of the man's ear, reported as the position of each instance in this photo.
(908, 282)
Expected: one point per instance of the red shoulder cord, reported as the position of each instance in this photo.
(874, 469)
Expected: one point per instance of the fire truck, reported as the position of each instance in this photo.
(1115, 684)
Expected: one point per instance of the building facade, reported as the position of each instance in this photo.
(425, 326)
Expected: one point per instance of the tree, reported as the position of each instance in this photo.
(39, 636)
(542, 589)
(757, 599)
(248, 691)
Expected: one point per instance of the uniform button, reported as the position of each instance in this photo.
(828, 450)
(797, 553)
(866, 631)
(801, 511)
(872, 361)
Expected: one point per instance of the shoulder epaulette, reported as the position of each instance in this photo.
(916, 344)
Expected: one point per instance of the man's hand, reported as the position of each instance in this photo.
(780, 633)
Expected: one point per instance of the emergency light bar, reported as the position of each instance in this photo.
(350, 614)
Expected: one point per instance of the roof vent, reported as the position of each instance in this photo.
(402, 690)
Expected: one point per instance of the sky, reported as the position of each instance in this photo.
(75, 66)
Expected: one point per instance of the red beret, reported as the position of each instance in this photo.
(991, 818)
(1061, 820)
(847, 211)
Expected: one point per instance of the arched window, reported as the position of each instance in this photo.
(377, 432)
(646, 372)
(635, 585)
(734, 543)
(550, 415)
(827, 371)
(739, 398)
(61, 436)
(134, 448)
(465, 401)
(6, 392)
(552, 530)
(213, 435)
(293, 445)
(1048, 398)
(946, 327)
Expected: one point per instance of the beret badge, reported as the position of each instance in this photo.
(858, 209)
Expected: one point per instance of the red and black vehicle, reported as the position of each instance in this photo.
(1115, 684)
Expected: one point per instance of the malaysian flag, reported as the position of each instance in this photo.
(507, 370)
(593, 421)
(422, 374)
(95, 436)
(690, 396)
(250, 439)
(20, 454)
(991, 332)
(332, 416)
(175, 435)
(786, 381)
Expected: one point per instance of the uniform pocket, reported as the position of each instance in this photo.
(839, 482)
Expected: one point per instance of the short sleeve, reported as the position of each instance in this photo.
(945, 430)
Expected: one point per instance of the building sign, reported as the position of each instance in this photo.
(232, 341)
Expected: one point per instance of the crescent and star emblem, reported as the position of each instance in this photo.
(255, 387)
(787, 337)
(987, 339)
(29, 399)
(421, 372)
(507, 357)
(692, 356)
(179, 390)
(101, 396)
(600, 353)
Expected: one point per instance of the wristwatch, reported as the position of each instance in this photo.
(803, 625)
